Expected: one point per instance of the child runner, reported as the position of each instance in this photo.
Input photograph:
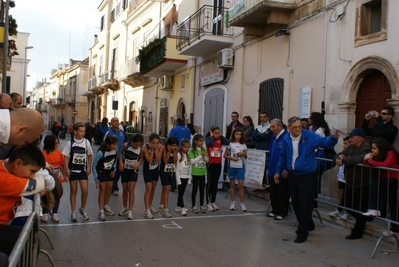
(198, 159)
(103, 168)
(53, 157)
(152, 153)
(130, 158)
(77, 160)
(341, 189)
(235, 154)
(182, 174)
(214, 144)
(168, 168)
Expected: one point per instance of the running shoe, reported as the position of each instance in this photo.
(243, 208)
(372, 213)
(335, 213)
(194, 209)
(44, 218)
(178, 209)
(123, 212)
(153, 210)
(83, 212)
(74, 217)
(183, 212)
(161, 208)
(202, 209)
(55, 218)
(130, 215)
(108, 211)
(166, 213)
(233, 205)
(346, 217)
(101, 215)
(214, 206)
(209, 207)
(148, 215)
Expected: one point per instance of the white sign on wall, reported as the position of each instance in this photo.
(255, 168)
(211, 75)
(305, 97)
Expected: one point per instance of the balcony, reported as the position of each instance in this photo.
(58, 102)
(70, 99)
(94, 87)
(160, 58)
(204, 33)
(260, 17)
(130, 74)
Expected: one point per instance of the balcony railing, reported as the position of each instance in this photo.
(104, 78)
(205, 21)
(57, 101)
(92, 82)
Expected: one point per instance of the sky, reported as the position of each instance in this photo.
(59, 30)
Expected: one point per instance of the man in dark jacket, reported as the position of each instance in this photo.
(383, 127)
(262, 134)
(357, 179)
(234, 124)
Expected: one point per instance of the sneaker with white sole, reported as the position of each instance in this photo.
(335, 213)
(44, 218)
(130, 215)
(74, 217)
(194, 209)
(123, 212)
(108, 211)
(161, 208)
(101, 215)
(243, 208)
(209, 207)
(115, 193)
(178, 209)
(202, 209)
(166, 213)
(148, 215)
(233, 205)
(214, 206)
(153, 210)
(83, 212)
(346, 217)
(183, 212)
(372, 213)
(55, 218)
(389, 233)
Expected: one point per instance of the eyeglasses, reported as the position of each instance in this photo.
(384, 113)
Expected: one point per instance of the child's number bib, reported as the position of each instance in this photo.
(169, 167)
(129, 163)
(200, 164)
(79, 159)
(109, 165)
(215, 152)
(153, 165)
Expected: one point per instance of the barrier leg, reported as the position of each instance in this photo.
(246, 191)
(318, 215)
(48, 238)
(48, 257)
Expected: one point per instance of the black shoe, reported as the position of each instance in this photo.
(270, 215)
(352, 237)
(300, 240)
(310, 230)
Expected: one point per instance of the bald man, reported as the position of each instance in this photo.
(20, 126)
(16, 100)
(5, 101)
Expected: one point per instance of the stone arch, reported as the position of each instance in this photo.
(181, 110)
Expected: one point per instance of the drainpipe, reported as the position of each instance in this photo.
(323, 111)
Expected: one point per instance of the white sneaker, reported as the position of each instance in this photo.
(178, 209)
(194, 209)
(202, 209)
(153, 210)
(214, 206)
(130, 215)
(372, 213)
(335, 213)
(123, 212)
(243, 208)
(183, 212)
(74, 217)
(55, 218)
(83, 212)
(346, 217)
(115, 193)
(148, 215)
(44, 218)
(209, 207)
(233, 205)
(101, 215)
(161, 208)
(166, 213)
(389, 233)
(108, 211)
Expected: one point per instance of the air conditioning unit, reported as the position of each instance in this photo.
(166, 82)
(225, 58)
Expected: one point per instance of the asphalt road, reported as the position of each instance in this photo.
(220, 238)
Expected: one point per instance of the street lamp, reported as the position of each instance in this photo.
(25, 76)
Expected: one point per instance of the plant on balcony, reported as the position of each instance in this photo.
(12, 26)
(152, 54)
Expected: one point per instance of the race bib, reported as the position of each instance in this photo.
(215, 152)
(129, 163)
(79, 159)
(169, 168)
(184, 172)
(153, 165)
(200, 164)
(109, 165)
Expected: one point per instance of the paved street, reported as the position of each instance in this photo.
(221, 238)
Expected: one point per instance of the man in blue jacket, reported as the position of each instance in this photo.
(298, 163)
(180, 131)
(279, 190)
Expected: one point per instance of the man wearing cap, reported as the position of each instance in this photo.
(357, 179)
(383, 127)
(298, 163)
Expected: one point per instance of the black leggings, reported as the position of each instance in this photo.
(214, 170)
(198, 181)
(182, 188)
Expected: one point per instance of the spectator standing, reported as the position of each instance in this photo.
(180, 131)
(262, 134)
(235, 123)
(16, 100)
(305, 123)
(102, 131)
(89, 131)
(121, 136)
(248, 129)
(356, 195)
(301, 171)
(279, 190)
(5, 101)
(383, 127)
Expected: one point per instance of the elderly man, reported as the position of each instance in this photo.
(298, 163)
(18, 127)
(121, 136)
(5, 101)
(279, 190)
(357, 179)
(16, 100)
(383, 127)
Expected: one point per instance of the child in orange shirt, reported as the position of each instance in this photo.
(24, 162)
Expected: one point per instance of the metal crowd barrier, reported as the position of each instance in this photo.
(369, 182)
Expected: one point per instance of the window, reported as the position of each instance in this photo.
(124, 5)
(102, 23)
(371, 22)
(112, 17)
